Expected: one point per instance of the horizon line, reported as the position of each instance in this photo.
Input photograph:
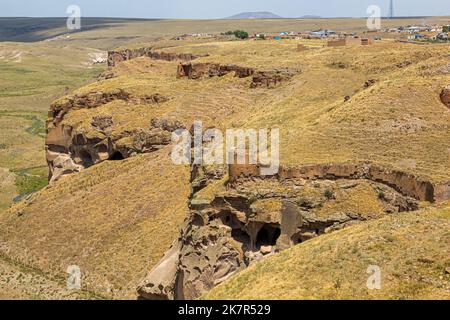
(227, 18)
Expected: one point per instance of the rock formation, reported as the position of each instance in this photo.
(115, 57)
(445, 96)
(199, 70)
(270, 79)
(267, 79)
(89, 100)
(69, 149)
(405, 183)
(255, 217)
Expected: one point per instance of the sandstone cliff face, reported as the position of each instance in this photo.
(256, 217)
(405, 183)
(445, 96)
(94, 99)
(70, 149)
(266, 79)
(115, 57)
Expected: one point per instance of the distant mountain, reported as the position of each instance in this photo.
(310, 17)
(255, 15)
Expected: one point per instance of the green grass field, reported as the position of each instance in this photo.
(31, 76)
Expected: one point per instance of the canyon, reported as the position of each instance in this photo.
(140, 226)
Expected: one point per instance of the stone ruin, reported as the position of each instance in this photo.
(349, 42)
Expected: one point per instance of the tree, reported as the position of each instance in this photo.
(446, 29)
(240, 34)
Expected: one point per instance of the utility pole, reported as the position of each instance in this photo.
(391, 10)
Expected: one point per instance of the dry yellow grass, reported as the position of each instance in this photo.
(21, 283)
(114, 220)
(7, 186)
(398, 121)
(411, 250)
(32, 75)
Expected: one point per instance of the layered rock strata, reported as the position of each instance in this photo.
(70, 149)
(114, 57)
(267, 79)
(255, 217)
(403, 182)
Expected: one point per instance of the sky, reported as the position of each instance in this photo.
(213, 9)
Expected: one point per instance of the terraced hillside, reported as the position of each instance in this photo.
(116, 201)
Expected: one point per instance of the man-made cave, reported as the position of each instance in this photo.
(116, 156)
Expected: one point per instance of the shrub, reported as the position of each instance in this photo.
(329, 194)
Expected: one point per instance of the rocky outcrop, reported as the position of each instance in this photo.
(199, 70)
(445, 96)
(442, 192)
(405, 183)
(115, 57)
(69, 150)
(270, 79)
(267, 79)
(253, 219)
(89, 100)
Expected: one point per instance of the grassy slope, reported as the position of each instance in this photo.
(411, 249)
(32, 75)
(18, 282)
(398, 122)
(89, 220)
(114, 220)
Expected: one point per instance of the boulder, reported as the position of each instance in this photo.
(266, 250)
(445, 96)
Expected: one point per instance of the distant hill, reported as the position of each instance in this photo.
(310, 17)
(255, 15)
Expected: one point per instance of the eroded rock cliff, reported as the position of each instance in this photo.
(237, 219)
(115, 57)
(266, 79)
(70, 149)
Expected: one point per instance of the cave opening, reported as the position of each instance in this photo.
(86, 158)
(268, 236)
(242, 237)
(296, 239)
(116, 156)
